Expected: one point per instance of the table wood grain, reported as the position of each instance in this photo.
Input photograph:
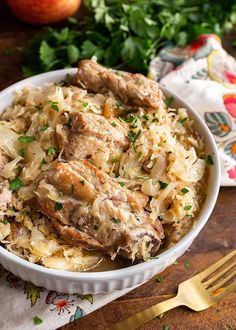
(216, 239)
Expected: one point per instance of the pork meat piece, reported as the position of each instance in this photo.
(97, 213)
(92, 137)
(132, 89)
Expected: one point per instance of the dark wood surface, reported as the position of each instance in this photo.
(216, 239)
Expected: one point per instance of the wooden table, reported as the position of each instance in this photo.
(216, 239)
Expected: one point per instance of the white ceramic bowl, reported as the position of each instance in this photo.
(96, 282)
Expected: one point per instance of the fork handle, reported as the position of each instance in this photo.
(135, 321)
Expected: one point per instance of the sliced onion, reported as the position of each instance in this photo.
(9, 170)
(9, 141)
(149, 188)
(158, 168)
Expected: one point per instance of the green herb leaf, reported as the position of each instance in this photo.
(188, 207)
(58, 206)
(159, 278)
(96, 227)
(44, 128)
(209, 160)
(165, 327)
(114, 124)
(54, 105)
(21, 152)
(43, 162)
(131, 136)
(37, 320)
(15, 184)
(169, 101)
(122, 184)
(26, 139)
(126, 33)
(152, 258)
(82, 182)
(116, 221)
(186, 264)
(52, 151)
(4, 221)
(38, 107)
(162, 184)
(114, 161)
(183, 120)
(73, 54)
(184, 190)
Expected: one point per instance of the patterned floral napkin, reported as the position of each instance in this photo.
(25, 306)
(204, 75)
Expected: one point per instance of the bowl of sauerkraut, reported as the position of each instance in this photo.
(106, 178)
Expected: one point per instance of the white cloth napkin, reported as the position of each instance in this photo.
(21, 302)
(204, 76)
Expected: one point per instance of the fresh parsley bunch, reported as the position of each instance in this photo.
(127, 32)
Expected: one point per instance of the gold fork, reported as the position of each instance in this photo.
(197, 293)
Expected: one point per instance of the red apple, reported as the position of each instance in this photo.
(43, 11)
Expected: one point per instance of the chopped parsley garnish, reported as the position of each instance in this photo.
(132, 136)
(129, 118)
(155, 257)
(159, 278)
(72, 188)
(155, 120)
(183, 120)
(44, 128)
(4, 221)
(114, 124)
(95, 227)
(165, 327)
(26, 211)
(54, 105)
(52, 151)
(38, 107)
(184, 190)
(67, 78)
(209, 160)
(162, 184)
(21, 152)
(84, 104)
(116, 221)
(82, 182)
(26, 139)
(37, 320)
(43, 162)
(10, 208)
(189, 215)
(58, 206)
(145, 118)
(114, 161)
(186, 264)
(15, 184)
(119, 103)
(169, 101)
(188, 207)
(122, 184)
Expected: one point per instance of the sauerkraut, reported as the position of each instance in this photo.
(165, 161)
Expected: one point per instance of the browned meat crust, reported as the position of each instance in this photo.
(92, 137)
(99, 213)
(133, 89)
